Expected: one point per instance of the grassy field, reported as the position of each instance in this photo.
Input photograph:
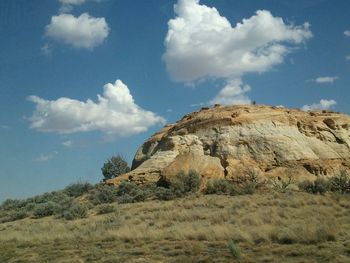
(264, 227)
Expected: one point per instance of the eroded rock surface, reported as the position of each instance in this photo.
(225, 141)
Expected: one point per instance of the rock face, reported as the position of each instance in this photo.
(223, 142)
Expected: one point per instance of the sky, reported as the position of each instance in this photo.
(83, 80)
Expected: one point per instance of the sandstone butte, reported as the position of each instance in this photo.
(227, 141)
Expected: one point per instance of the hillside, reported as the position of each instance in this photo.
(270, 227)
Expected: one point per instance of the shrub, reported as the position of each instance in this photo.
(164, 194)
(247, 188)
(77, 189)
(15, 215)
(46, 209)
(192, 181)
(75, 211)
(55, 196)
(234, 249)
(320, 186)
(126, 188)
(218, 186)
(185, 183)
(247, 183)
(124, 199)
(114, 167)
(30, 206)
(129, 192)
(105, 209)
(103, 194)
(14, 204)
(340, 183)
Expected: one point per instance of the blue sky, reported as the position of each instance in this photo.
(82, 80)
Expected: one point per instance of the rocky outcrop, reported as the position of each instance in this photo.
(225, 141)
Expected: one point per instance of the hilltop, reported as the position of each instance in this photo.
(225, 141)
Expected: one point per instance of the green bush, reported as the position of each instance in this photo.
(105, 209)
(103, 193)
(340, 183)
(75, 211)
(46, 209)
(114, 167)
(77, 189)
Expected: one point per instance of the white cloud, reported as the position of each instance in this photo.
(201, 43)
(83, 31)
(322, 105)
(114, 113)
(347, 57)
(45, 157)
(233, 93)
(323, 80)
(68, 143)
(347, 33)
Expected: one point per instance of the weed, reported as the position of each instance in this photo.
(234, 249)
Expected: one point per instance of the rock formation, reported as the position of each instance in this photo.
(226, 141)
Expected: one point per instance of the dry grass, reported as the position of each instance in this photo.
(269, 227)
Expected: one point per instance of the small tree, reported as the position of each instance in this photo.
(114, 167)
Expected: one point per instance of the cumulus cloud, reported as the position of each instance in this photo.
(322, 105)
(83, 31)
(201, 43)
(115, 113)
(233, 93)
(45, 157)
(347, 33)
(323, 80)
(347, 57)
